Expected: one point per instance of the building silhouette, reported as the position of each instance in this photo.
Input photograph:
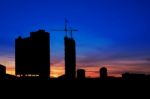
(2, 72)
(32, 55)
(81, 74)
(70, 58)
(134, 76)
(103, 72)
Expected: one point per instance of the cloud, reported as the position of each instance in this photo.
(122, 61)
(115, 53)
(147, 59)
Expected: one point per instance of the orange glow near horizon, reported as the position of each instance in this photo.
(57, 68)
(10, 71)
(57, 71)
(93, 71)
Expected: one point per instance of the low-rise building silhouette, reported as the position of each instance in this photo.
(103, 72)
(134, 76)
(81, 74)
(32, 55)
(70, 58)
(2, 72)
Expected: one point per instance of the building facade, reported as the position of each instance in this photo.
(70, 58)
(32, 55)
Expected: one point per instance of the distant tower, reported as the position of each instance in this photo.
(103, 72)
(70, 58)
(81, 74)
(32, 55)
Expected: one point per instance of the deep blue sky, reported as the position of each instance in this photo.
(111, 32)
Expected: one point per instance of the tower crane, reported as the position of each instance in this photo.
(66, 29)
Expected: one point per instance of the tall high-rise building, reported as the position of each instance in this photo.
(32, 55)
(70, 58)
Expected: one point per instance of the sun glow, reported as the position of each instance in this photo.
(56, 71)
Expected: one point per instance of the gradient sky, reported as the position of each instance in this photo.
(112, 33)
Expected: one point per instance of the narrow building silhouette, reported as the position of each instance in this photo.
(81, 74)
(32, 55)
(103, 72)
(2, 72)
(70, 58)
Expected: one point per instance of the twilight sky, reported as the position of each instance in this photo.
(112, 33)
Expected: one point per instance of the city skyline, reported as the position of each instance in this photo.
(112, 33)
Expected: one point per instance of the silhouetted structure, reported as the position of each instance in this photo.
(81, 74)
(133, 76)
(2, 72)
(70, 58)
(103, 72)
(32, 55)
